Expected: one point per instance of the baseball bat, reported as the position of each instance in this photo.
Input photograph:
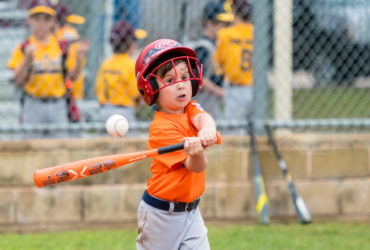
(261, 196)
(84, 168)
(299, 204)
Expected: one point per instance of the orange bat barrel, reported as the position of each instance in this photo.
(79, 169)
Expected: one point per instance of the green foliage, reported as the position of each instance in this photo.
(317, 236)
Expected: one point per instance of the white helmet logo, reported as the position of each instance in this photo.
(164, 43)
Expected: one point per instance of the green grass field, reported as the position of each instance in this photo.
(331, 102)
(333, 235)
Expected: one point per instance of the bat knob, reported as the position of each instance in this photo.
(218, 137)
(36, 179)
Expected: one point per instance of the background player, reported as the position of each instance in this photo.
(233, 57)
(211, 94)
(38, 70)
(116, 87)
(168, 75)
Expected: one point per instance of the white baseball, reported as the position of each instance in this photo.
(117, 125)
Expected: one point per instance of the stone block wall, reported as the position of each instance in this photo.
(331, 172)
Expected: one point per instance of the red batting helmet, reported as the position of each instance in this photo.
(155, 55)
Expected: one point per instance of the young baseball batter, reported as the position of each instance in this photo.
(169, 75)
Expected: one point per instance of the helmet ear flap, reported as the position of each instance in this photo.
(155, 87)
(194, 86)
(196, 70)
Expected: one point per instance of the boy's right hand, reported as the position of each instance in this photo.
(193, 146)
(207, 137)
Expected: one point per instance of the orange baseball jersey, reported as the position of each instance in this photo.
(234, 53)
(171, 180)
(46, 79)
(70, 34)
(116, 82)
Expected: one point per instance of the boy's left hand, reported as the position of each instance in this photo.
(207, 137)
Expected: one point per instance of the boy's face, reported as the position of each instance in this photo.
(173, 98)
(40, 23)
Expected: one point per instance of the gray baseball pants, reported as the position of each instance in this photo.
(167, 230)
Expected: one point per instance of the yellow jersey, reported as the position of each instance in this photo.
(116, 82)
(234, 53)
(46, 78)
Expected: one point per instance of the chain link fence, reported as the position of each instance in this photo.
(332, 45)
(311, 58)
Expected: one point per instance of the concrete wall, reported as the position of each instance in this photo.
(331, 172)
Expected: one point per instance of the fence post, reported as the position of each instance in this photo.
(95, 32)
(283, 75)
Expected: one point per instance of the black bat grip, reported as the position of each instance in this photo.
(171, 148)
(180, 146)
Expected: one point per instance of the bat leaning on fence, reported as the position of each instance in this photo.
(84, 168)
(261, 196)
(302, 211)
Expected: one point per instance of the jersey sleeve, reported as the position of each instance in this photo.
(159, 138)
(100, 85)
(194, 108)
(16, 58)
(72, 56)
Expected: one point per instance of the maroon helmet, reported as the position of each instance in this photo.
(122, 35)
(62, 11)
(158, 53)
(64, 14)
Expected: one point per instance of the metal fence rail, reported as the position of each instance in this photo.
(311, 57)
(319, 123)
(141, 128)
(90, 129)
